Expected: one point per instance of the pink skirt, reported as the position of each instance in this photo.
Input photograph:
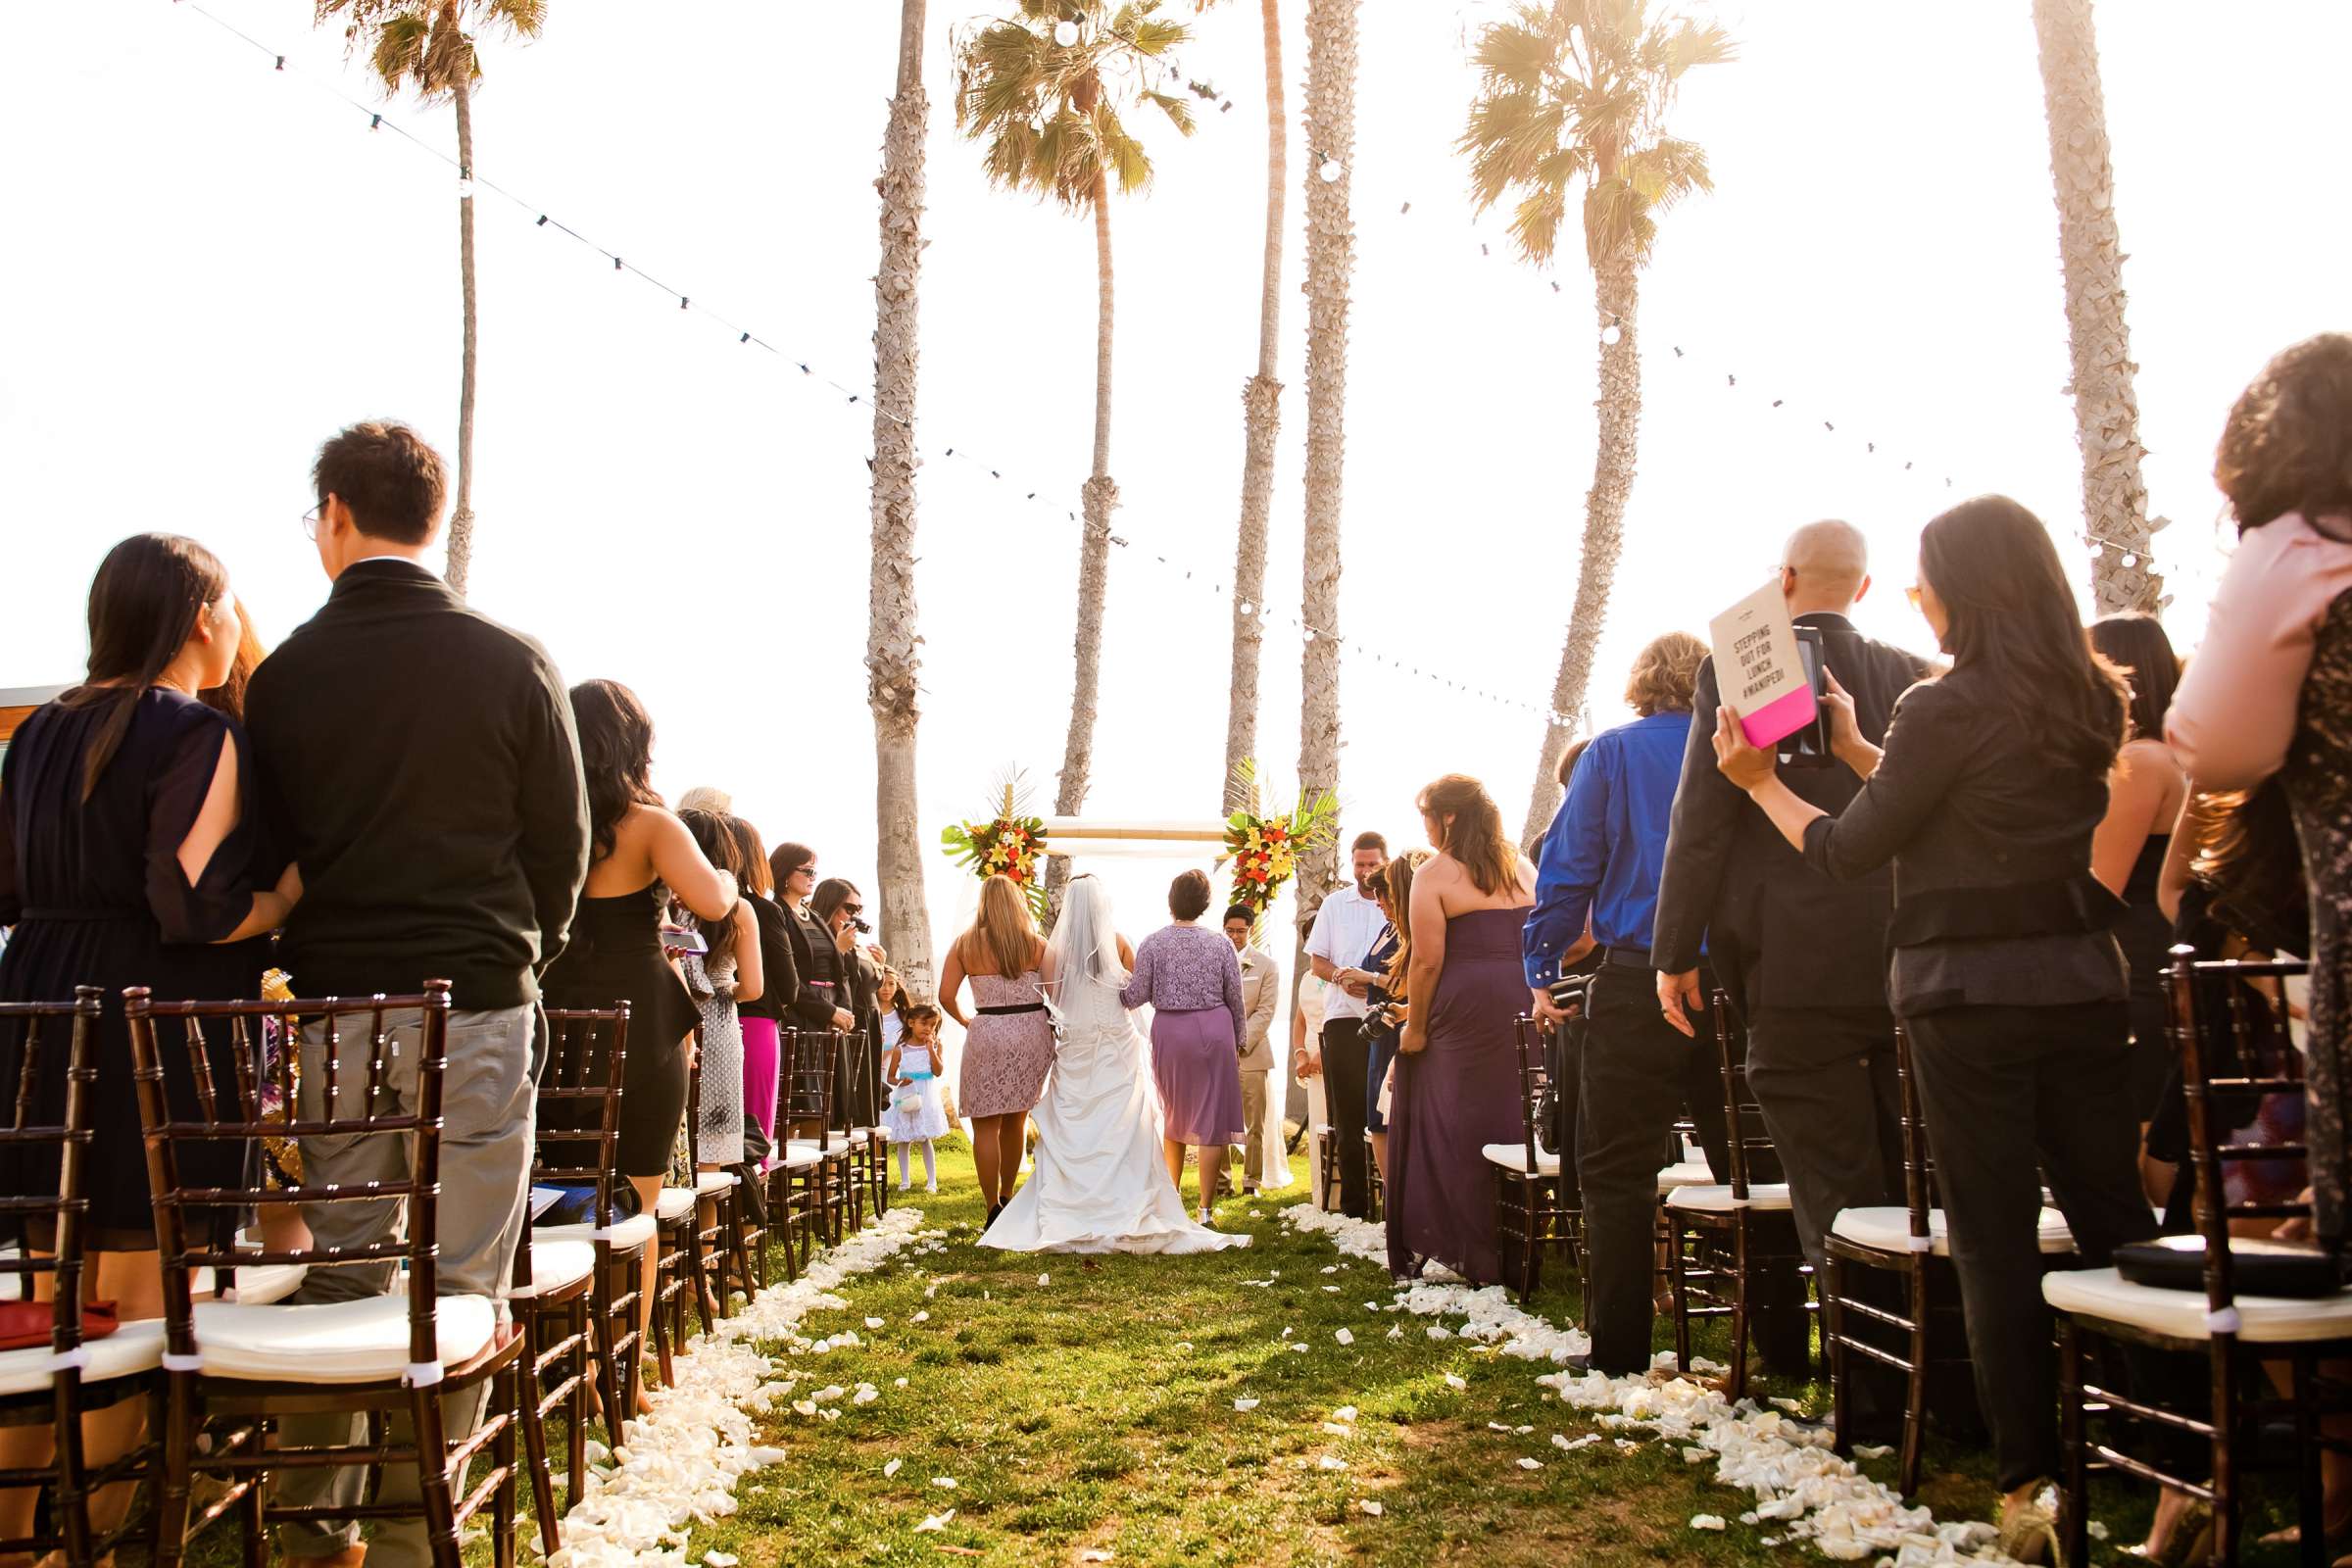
(1200, 1077)
(762, 1055)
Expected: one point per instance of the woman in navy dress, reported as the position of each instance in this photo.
(129, 855)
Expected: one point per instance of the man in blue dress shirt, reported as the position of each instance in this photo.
(1601, 861)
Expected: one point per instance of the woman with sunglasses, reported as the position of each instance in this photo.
(839, 909)
(1985, 797)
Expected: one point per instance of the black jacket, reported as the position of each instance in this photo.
(1989, 836)
(418, 759)
(814, 957)
(1777, 931)
(780, 976)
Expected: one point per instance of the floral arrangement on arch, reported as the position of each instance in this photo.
(1264, 850)
(1009, 843)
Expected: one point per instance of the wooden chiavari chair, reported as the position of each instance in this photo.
(1532, 1204)
(1723, 1240)
(574, 1296)
(2264, 1356)
(816, 1171)
(71, 1374)
(245, 1364)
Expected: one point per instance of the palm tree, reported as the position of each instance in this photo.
(429, 45)
(1044, 90)
(1579, 92)
(891, 660)
(2115, 499)
(1330, 262)
(1261, 422)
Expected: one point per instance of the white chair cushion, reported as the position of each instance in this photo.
(557, 1264)
(1889, 1230)
(1712, 1199)
(674, 1203)
(712, 1181)
(635, 1231)
(1690, 1173)
(1513, 1157)
(835, 1150)
(2102, 1293)
(333, 1342)
(132, 1349)
(800, 1156)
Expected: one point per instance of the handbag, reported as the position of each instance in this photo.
(2255, 1267)
(25, 1325)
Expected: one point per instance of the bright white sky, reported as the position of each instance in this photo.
(213, 266)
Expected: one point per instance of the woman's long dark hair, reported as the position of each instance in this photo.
(617, 753)
(143, 606)
(2012, 619)
(719, 846)
(2136, 645)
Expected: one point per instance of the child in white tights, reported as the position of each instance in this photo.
(917, 1113)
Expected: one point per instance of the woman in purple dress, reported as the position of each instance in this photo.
(1194, 982)
(1457, 1072)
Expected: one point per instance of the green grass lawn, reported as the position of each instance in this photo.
(1082, 1407)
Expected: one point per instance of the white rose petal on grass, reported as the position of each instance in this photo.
(1706, 1521)
(1299, 1346)
(873, 1322)
(720, 1559)
(1370, 1508)
(1331, 1290)
(1335, 1429)
(1397, 1332)
(1045, 1279)
(1332, 1269)
(933, 1522)
(1531, 1464)
(1345, 1336)
(946, 1482)
(1245, 1404)
(1792, 1406)
(898, 1383)
(804, 1406)
(922, 1317)
(1345, 1412)
(1439, 1331)
(1872, 1450)
(1331, 1462)
(1182, 1346)
(891, 1468)
(1094, 1554)
(1452, 1381)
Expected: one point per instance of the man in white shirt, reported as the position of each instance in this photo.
(1345, 928)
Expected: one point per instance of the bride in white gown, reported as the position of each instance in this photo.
(1100, 1183)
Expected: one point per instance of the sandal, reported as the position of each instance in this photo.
(2029, 1530)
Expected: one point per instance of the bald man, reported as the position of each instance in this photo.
(1803, 957)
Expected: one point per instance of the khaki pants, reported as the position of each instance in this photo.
(1253, 1121)
(487, 1110)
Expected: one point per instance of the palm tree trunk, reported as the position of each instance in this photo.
(461, 517)
(1098, 496)
(2115, 499)
(1261, 398)
(891, 662)
(1329, 262)
(1615, 292)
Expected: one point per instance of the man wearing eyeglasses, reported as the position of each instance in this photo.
(1803, 957)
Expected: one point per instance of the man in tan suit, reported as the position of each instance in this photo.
(1259, 981)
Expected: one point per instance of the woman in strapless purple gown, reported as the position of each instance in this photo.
(1458, 1070)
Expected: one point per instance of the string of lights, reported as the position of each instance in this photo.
(470, 182)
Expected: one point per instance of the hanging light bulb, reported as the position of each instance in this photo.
(1065, 33)
(1247, 608)
(464, 187)
(1331, 170)
(1310, 634)
(1612, 334)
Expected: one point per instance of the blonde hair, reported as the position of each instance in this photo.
(1470, 829)
(1400, 876)
(1003, 929)
(1665, 674)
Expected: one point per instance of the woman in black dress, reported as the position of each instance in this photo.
(129, 857)
(616, 947)
(824, 1000)
(2145, 797)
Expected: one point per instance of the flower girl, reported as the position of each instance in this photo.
(917, 1113)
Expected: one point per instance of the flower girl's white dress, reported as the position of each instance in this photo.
(917, 1112)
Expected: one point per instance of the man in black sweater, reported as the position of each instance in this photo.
(422, 762)
(1803, 957)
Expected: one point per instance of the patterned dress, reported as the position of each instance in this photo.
(1006, 1053)
(719, 1116)
(2318, 789)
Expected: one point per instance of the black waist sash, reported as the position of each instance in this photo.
(1020, 1007)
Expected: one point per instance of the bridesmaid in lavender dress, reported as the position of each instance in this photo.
(1457, 1072)
(1193, 980)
